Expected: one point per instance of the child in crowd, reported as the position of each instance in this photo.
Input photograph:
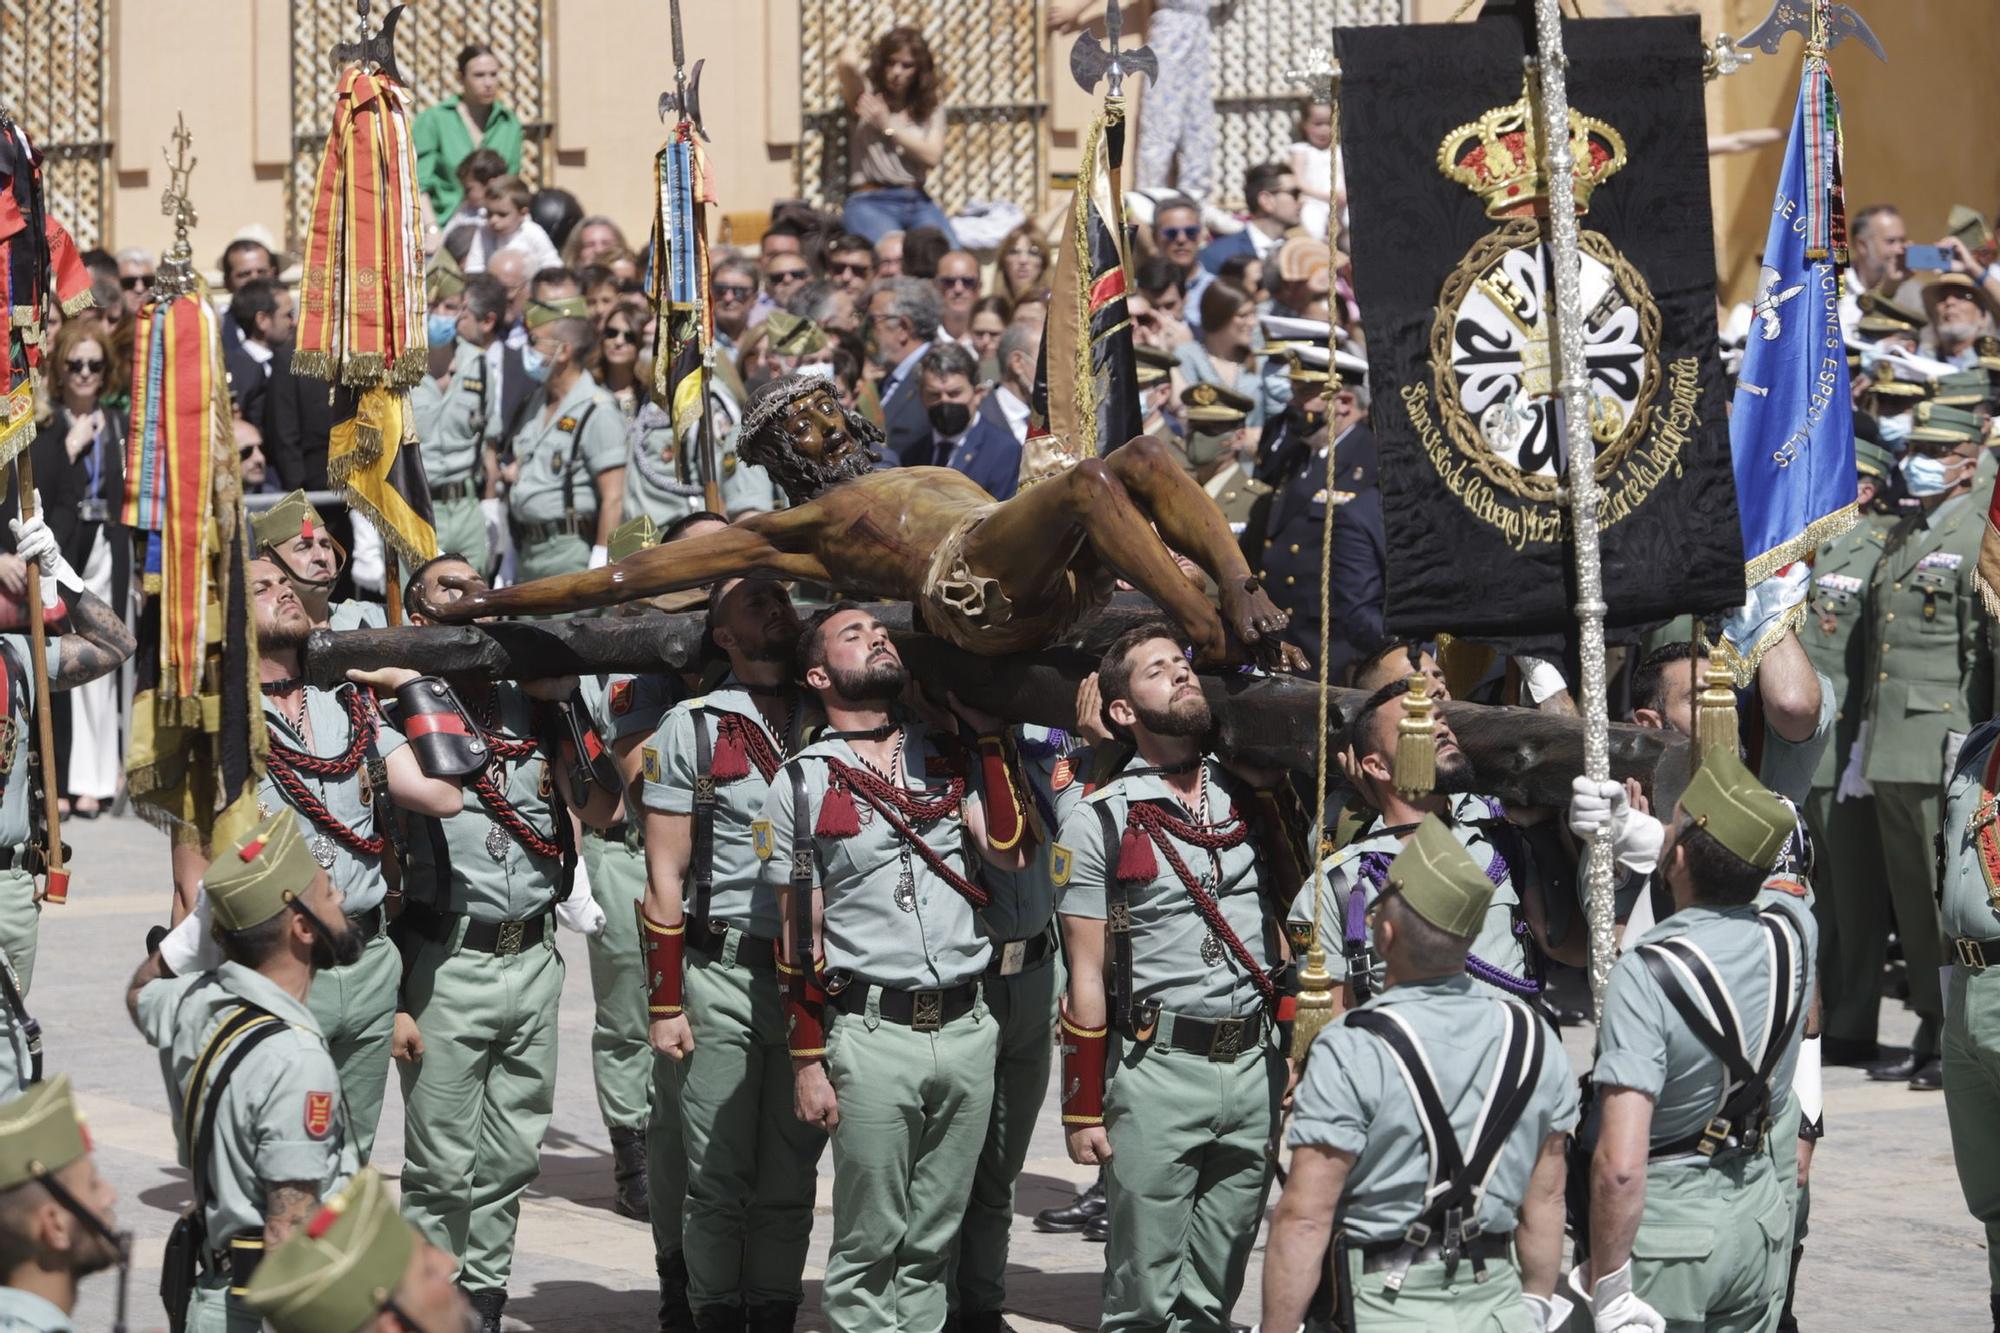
(508, 227)
(1312, 160)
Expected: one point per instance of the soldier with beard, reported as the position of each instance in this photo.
(875, 835)
(1173, 878)
(224, 999)
(337, 766)
(293, 535)
(709, 936)
(56, 1221)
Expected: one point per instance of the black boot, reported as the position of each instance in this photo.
(674, 1314)
(719, 1319)
(1787, 1321)
(1098, 1229)
(986, 1321)
(1073, 1215)
(488, 1302)
(628, 1174)
(770, 1318)
(1993, 1303)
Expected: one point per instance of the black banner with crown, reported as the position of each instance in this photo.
(1453, 281)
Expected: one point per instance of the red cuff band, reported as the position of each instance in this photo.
(1005, 820)
(805, 1013)
(661, 947)
(425, 724)
(1084, 1053)
(1288, 1008)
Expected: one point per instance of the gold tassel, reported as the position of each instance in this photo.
(1416, 742)
(1315, 1003)
(1715, 720)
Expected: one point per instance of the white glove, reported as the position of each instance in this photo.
(34, 543)
(599, 557)
(580, 913)
(1852, 785)
(1540, 678)
(1807, 1083)
(190, 946)
(1614, 1309)
(1600, 809)
(1766, 607)
(1546, 1314)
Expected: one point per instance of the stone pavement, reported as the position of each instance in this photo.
(1892, 1245)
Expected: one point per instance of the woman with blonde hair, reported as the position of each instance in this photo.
(1021, 265)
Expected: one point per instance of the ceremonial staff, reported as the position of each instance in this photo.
(680, 266)
(57, 890)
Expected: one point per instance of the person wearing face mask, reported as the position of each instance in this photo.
(1927, 669)
(1215, 435)
(451, 409)
(566, 477)
(226, 999)
(987, 453)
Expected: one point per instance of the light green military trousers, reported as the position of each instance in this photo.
(914, 1108)
(1972, 1097)
(20, 923)
(620, 1056)
(1429, 1299)
(1024, 1007)
(751, 1161)
(478, 1103)
(1851, 900)
(211, 1309)
(1187, 1180)
(461, 527)
(565, 553)
(1714, 1248)
(355, 1007)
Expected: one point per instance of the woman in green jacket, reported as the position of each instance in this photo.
(476, 118)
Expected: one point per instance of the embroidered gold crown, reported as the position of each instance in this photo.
(1498, 157)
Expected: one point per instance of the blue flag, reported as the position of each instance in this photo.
(1792, 428)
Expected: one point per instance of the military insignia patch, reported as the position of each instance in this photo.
(1300, 933)
(1059, 864)
(547, 784)
(566, 424)
(652, 763)
(760, 838)
(477, 386)
(621, 697)
(1062, 774)
(319, 1114)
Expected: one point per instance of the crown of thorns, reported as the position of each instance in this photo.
(779, 397)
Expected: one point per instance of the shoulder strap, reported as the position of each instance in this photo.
(803, 854)
(1117, 925)
(569, 464)
(239, 1034)
(702, 861)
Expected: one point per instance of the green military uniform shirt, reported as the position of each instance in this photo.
(1970, 910)
(1235, 493)
(933, 943)
(629, 705)
(357, 876)
(654, 482)
(1176, 963)
(1024, 901)
(1929, 654)
(1833, 631)
(1643, 1044)
(491, 875)
(584, 436)
(25, 1312)
(281, 1118)
(452, 418)
(736, 897)
(1496, 942)
(1352, 1098)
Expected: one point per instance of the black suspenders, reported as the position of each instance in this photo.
(701, 863)
(1118, 923)
(569, 464)
(803, 849)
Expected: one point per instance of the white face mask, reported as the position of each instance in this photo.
(1924, 475)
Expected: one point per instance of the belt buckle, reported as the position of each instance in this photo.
(927, 1014)
(1970, 954)
(1013, 957)
(511, 935)
(1714, 1137)
(1226, 1042)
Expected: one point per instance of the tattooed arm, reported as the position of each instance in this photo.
(97, 644)
(287, 1204)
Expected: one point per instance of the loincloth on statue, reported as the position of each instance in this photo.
(970, 611)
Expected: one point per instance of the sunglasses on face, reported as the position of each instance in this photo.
(1294, 192)
(789, 275)
(1179, 233)
(243, 451)
(137, 282)
(849, 270)
(729, 291)
(84, 366)
(630, 336)
(966, 284)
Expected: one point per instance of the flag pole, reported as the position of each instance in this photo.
(1549, 67)
(56, 888)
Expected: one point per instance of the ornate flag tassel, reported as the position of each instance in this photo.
(1715, 721)
(1416, 742)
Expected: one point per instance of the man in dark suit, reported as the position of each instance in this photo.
(987, 453)
(297, 420)
(902, 321)
(264, 312)
(244, 260)
(1272, 192)
(1006, 405)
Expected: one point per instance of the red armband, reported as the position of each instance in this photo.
(1084, 1053)
(661, 947)
(1006, 821)
(805, 1012)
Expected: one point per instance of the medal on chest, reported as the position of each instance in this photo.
(496, 843)
(906, 883)
(321, 847)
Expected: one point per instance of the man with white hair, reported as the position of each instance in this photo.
(1007, 405)
(135, 278)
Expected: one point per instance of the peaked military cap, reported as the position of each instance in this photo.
(1439, 881)
(631, 537)
(540, 313)
(1872, 460)
(1306, 363)
(792, 335)
(1730, 805)
(443, 276)
(252, 881)
(1962, 388)
(1939, 424)
(1892, 381)
(1215, 406)
(335, 1273)
(40, 1133)
(1881, 316)
(1154, 365)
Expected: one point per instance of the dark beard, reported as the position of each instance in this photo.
(332, 948)
(782, 647)
(1181, 719)
(871, 684)
(282, 637)
(802, 479)
(1454, 772)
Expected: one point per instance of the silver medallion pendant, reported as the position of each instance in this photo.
(906, 886)
(496, 843)
(322, 850)
(1211, 949)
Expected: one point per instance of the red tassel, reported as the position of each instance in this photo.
(732, 757)
(1135, 856)
(837, 816)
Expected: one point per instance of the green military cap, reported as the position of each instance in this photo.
(792, 335)
(1881, 316)
(1154, 365)
(1893, 381)
(252, 881)
(335, 1273)
(1439, 881)
(1961, 387)
(1987, 349)
(442, 276)
(1872, 460)
(1735, 809)
(1215, 406)
(293, 516)
(548, 312)
(1966, 223)
(1938, 424)
(631, 537)
(40, 1133)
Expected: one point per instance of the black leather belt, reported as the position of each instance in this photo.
(707, 938)
(13, 856)
(1379, 1256)
(1976, 955)
(503, 939)
(366, 925)
(574, 526)
(919, 1010)
(1213, 1038)
(1017, 956)
(467, 489)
